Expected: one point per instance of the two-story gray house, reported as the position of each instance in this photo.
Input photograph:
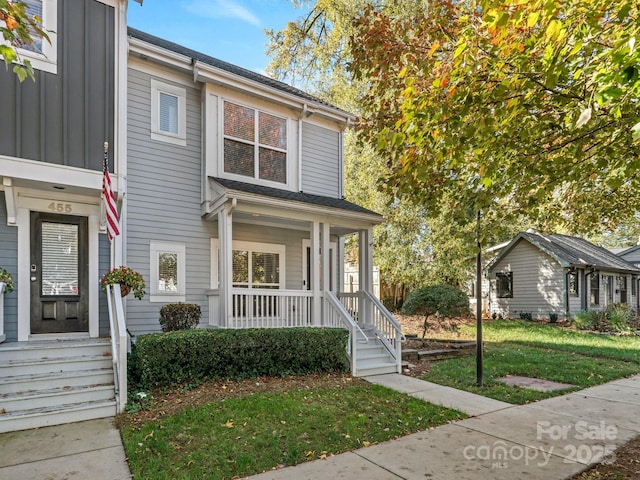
(229, 188)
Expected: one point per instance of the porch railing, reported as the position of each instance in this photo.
(118, 345)
(264, 308)
(336, 315)
(370, 314)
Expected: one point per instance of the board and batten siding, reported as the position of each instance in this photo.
(65, 118)
(163, 200)
(538, 283)
(320, 160)
(9, 261)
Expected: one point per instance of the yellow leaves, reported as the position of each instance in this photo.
(229, 424)
(365, 444)
(532, 19)
(433, 49)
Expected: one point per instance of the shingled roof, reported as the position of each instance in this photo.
(319, 200)
(227, 67)
(572, 252)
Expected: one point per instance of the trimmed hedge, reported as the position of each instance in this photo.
(162, 359)
(179, 316)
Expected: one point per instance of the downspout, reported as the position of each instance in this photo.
(567, 309)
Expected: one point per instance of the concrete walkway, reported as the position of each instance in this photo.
(550, 439)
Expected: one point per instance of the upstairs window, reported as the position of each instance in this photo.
(42, 54)
(168, 113)
(255, 143)
(504, 285)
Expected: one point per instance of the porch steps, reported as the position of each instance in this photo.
(50, 383)
(372, 358)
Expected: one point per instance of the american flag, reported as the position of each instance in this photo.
(113, 224)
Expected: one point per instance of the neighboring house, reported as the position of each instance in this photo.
(229, 187)
(631, 255)
(557, 274)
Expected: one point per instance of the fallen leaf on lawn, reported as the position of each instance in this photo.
(366, 444)
(229, 424)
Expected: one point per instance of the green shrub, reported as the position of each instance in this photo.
(617, 317)
(585, 319)
(179, 316)
(526, 316)
(553, 318)
(195, 355)
(442, 300)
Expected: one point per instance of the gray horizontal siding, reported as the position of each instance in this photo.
(65, 118)
(163, 201)
(320, 161)
(104, 262)
(9, 261)
(538, 283)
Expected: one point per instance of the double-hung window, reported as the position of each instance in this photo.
(504, 284)
(594, 289)
(255, 143)
(254, 265)
(168, 113)
(573, 285)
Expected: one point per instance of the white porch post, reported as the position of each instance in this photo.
(326, 277)
(315, 273)
(340, 255)
(225, 280)
(365, 270)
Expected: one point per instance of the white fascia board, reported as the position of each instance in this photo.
(161, 55)
(20, 168)
(209, 73)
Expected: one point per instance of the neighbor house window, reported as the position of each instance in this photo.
(168, 113)
(42, 54)
(255, 265)
(634, 284)
(594, 289)
(255, 143)
(167, 279)
(504, 285)
(572, 280)
(622, 286)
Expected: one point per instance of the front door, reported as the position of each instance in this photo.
(59, 273)
(306, 266)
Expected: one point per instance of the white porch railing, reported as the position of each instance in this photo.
(118, 345)
(369, 312)
(336, 315)
(264, 308)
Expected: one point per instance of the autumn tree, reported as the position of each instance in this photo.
(529, 102)
(19, 27)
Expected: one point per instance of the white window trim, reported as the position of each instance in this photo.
(251, 247)
(47, 61)
(155, 248)
(255, 179)
(181, 93)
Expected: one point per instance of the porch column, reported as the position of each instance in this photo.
(225, 280)
(365, 272)
(326, 276)
(340, 255)
(315, 273)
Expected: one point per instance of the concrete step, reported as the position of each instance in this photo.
(376, 369)
(56, 364)
(44, 417)
(55, 397)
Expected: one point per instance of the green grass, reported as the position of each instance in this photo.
(248, 435)
(534, 350)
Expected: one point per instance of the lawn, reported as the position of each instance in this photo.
(250, 434)
(543, 351)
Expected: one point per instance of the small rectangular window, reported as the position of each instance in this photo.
(504, 285)
(167, 278)
(168, 113)
(572, 280)
(634, 285)
(42, 54)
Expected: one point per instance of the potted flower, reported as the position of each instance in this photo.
(6, 281)
(127, 279)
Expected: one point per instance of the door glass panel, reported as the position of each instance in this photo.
(59, 259)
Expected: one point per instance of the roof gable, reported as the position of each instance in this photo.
(570, 252)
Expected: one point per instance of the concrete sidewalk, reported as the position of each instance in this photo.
(75, 451)
(550, 439)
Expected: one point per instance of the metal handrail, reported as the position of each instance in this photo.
(118, 344)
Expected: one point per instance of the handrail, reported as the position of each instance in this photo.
(386, 314)
(351, 325)
(118, 345)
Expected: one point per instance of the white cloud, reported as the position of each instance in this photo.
(222, 9)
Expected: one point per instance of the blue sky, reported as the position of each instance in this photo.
(231, 30)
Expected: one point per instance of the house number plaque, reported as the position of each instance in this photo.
(60, 207)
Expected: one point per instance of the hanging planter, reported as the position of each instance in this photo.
(127, 279)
